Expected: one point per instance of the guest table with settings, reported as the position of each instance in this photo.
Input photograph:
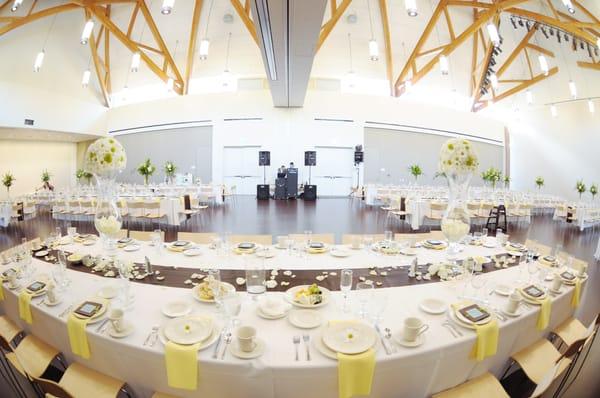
(418, 337)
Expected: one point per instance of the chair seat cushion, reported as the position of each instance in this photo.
(537, 359)
(570, 331)
(80, 381)
(485, 385)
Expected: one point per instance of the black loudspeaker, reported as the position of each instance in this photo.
(262, 192)
(264, 158)
(359, 157)
(310, 192)
(310, 158)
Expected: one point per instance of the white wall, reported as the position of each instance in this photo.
(26, 160)
(287, 133)
(562, 149)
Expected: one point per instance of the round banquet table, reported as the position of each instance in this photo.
(441, 362)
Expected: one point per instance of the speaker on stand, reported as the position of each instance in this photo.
(262, 190)
(359, 157)
(310, 159)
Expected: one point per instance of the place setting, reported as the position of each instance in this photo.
(180, 246)
(348, 337)
(273, 308)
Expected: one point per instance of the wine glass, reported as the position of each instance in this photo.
(364, 292)
(214, 282)
(532, 269)
(232, 305)
(478, 281)
(368, 241)
(484, 232)
(308, 237)
(346, 285)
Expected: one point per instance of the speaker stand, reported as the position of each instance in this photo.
(309, 174)
(264, 174)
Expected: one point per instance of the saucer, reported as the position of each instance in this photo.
(131, 248)
(192, 252)
(108, 292)
(409, 344)
(176, 309)
(339, 253)
(502, 290)
(264, 315)
(265, 253)
(305, 319)
(433, 306)
(515, 314)
(88, 242)
(258, 350)
(49, 304)
(559, 291)
(129, 329)
(41, 253)
(514, 253)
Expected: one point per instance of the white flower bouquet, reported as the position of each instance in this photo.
(458, 156)
(105, 157)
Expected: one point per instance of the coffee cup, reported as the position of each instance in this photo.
(514, 300)
(556, 282)
(11, 277)
(246, 336)
(413, 327)
(355, 243)
(117, 319)
(51, 294)
(282, 242)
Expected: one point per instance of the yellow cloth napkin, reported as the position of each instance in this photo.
(25, 307)
(487, 341)
(78, 336)
(177, 249)
(355, 373)
(237, 250)
(576, 293)
(181, 362)
(317, 250)
(544, 316)
(1, 292)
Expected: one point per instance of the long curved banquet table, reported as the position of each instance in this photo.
(441, 362)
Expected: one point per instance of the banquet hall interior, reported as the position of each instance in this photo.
(291, 198)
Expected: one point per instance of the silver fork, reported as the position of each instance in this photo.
(296, 341)
(152, 332)
(227, 341)
(306, 339)
(453, 326)
(449, 328)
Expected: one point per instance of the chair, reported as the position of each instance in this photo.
(435, 235)
(348, 238)
(203, 238)
(436, 211)
(153, 211)
(260, 239)
(144, 235)
(572, 330)
(485, 385)
(75, 207)
(324, 238)
(122, 234)
(87, 207)
(79, 381)
(8, 334)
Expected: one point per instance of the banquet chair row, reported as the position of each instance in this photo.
(27, 357)
(541, 362)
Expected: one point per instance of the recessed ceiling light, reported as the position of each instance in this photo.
(228, 18)
(352, 18)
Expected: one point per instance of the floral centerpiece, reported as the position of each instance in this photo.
(106, 158)
(82, 174)
(492, 175)
(46, 176)
(170, 170)
(458, 161)
(416, 171)
(594, 191)
(539, 181)
(580, 188)
(8, 181)
(506, 182)
(146, 169)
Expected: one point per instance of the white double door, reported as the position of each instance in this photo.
(240, 168)
(334, 171)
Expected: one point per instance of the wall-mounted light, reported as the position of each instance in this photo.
(573, 89)
(529, 97)
(591, 106)
(135, 62)
(16, 5)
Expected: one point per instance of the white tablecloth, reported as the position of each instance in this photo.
(5, 214)
(441, 362)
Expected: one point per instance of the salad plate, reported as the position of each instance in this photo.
(308, 296)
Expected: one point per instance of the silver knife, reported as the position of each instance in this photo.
(99, 328)
(216, 351)
(383, 341)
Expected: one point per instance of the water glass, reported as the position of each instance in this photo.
(232, 305)
(484, 232)
(389, 236)
(478, 281)
(58, 233)
(255, 279)
(364, 292)
(368, 239)
(346, 285)
(214, 280)
(308, 237)
(532, 268)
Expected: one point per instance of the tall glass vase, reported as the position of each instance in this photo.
(107, 220)
(456, 220)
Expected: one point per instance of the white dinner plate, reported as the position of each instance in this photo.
(189, 330)
(265, 253)
(323, 349)
(174, 309)
(339, 253)
(290, 294)
(132, 248)
(502, 290)
(204, 344)
(192, 252)
(98, 316)
(462, 321)
(433, 306)
(349, 337)
(305, 319)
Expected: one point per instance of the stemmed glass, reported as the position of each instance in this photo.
(364, 291)
(232, 305)
(308, 237)
(214, 281)
(368, 239)
(532, 269)
(346, 286)
(484, 232)
(478, 281)
(126, 294)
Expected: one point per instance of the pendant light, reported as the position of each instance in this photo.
(573, 89)
(87, 31)
(529, 97)
(494, 80)
(16, 5)
(569, 5)
(493, 33)
(373, 46)
(591, 106)
(167, 7)
(411, 7)
(226, 76)
(553, 110)
(39, 58)
(444, 66)
(544, 64)
(135, 62)
(205, 42)
(85, 79)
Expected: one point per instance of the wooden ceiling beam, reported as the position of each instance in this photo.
(98, 65)
(133, 47)
(539, 49)
(515, 53)
(389, 66)
(474, 51)
(589, 65)
(329, 25)
(189, 65)
(107, 76)
(483, 65)
(239, 8)
(37, 15)
(132, 20)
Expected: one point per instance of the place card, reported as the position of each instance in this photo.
(474, 313)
